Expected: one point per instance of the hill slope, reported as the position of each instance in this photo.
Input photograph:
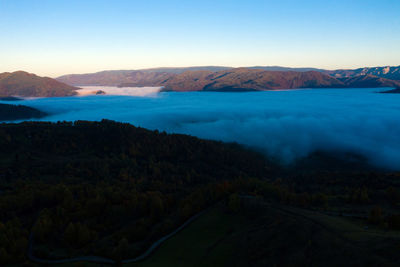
(25, 84)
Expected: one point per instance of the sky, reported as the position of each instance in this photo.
(52, 38)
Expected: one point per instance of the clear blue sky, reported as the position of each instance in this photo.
(54, 37)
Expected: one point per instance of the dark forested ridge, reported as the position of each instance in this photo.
(110, 189)
(106, 188)
(10, 98)
(19, 112)
(394, 91)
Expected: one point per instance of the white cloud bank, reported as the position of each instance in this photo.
(121, 91)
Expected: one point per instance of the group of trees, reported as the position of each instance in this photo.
(18, 112)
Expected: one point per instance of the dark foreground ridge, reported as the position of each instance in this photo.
(10, 98)
(116, 191)
(394, 91)
(19, 112)
(107, 189)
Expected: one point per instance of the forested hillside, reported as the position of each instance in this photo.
(18, 112)
(110, 189)
(105, 188)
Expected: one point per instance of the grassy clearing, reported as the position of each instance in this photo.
(272, 234)
(206, 242)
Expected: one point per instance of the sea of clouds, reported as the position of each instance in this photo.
(285, 124)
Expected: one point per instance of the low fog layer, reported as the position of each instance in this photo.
(285, 124)
(122, 91)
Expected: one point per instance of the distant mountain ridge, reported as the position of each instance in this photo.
(243, 79)
(279, 68)
(26, 84)
(142, 76)
(209, 78)
(387, 72)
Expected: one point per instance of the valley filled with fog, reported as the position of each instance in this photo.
(286, 125)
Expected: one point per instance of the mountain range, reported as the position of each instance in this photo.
(209, 78)
(142, 76)
(386, 72)
(243, 79)
(217, 78)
